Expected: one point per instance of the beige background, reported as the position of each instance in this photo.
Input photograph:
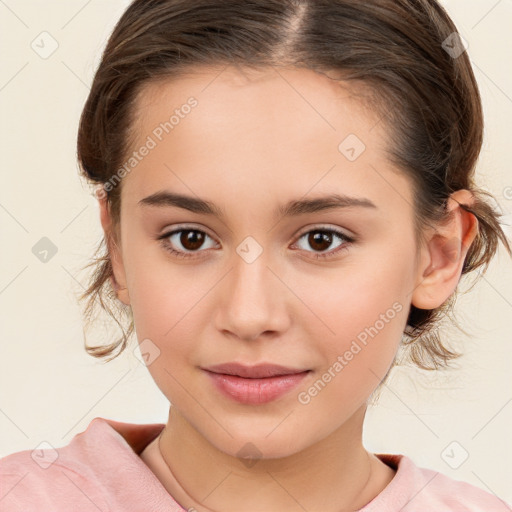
(51, 389)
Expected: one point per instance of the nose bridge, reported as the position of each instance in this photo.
(250, 304)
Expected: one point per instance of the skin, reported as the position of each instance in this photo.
(254, 141)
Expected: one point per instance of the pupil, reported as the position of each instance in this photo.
(317, 238)
(192, 240)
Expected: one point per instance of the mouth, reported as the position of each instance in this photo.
(253, 385)
(259, 371)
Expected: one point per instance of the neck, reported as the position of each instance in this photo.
(336, 474)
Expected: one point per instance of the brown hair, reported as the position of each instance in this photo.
(428, 95)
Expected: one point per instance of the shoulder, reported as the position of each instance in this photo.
(58, 478)
(415, 489)
(86, 474)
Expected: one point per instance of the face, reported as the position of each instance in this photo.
(281, 270)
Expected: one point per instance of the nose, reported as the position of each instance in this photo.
(252, 301)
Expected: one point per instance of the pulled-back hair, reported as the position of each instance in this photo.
(407, 53)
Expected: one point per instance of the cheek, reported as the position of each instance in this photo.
(161, 291)
(365, 309)
(172, 305)
(367, 332)
(356, 295)
(167, 311)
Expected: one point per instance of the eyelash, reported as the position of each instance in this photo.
(180, 254)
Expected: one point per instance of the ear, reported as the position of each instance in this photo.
(443, 256)
(118, 280)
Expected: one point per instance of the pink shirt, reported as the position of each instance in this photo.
(100, 470)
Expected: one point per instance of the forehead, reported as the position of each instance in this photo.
(281, 130)
(317, 98)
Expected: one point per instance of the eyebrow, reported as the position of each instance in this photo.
(297, 207)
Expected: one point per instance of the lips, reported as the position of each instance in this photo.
(259, 371)
(254, 385)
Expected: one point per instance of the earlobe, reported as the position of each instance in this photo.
(118, 279)
(443, 256)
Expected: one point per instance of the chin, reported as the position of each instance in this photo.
(253, 444)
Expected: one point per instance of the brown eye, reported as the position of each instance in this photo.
(191, 240)
(321, 239)
(185, 243)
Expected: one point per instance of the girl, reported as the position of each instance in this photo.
(287, 194)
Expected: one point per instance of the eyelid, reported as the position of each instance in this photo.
(169, 230)
(325, 227)
(348, 239)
